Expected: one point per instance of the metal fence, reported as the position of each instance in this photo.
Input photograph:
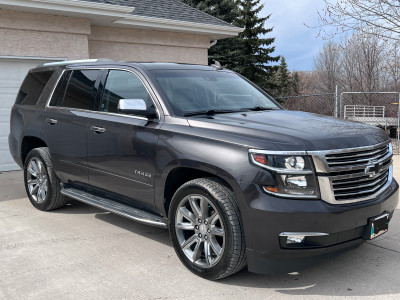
(379, 109)
(323, 104)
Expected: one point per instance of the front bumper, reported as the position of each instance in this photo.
(266, 217)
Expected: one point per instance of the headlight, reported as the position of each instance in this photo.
(293, 171)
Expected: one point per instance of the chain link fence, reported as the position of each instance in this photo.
(379, 109)
(323, 104)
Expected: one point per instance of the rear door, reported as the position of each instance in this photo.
(121, 147)
(66, 121)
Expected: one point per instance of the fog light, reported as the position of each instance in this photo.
(293, 238)
(295, 180)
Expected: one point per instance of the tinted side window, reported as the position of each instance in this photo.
(123, 85)
(80, 89)
(59, 92)
(32, 87)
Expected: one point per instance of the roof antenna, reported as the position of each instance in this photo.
(216, 65)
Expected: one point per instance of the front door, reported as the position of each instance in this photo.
(121, 147)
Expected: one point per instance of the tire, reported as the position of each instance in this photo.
(41, 183)
(213, 247)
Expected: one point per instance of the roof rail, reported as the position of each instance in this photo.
(69, 62)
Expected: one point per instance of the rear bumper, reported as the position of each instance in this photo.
(266, 217)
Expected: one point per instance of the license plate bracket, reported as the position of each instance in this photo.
(377, 226)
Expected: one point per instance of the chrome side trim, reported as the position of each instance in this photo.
(104, 112)
(303, 234)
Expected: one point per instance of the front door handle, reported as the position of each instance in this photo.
(51, 121)
(97, 129)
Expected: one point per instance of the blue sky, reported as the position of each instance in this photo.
(293, 39)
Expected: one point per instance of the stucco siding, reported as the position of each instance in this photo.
(148, 45)
(39, 35)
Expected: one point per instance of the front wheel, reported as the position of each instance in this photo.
(206, 230)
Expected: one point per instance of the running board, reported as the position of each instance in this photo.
(115, 207)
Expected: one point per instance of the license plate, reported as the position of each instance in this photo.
(378, 225)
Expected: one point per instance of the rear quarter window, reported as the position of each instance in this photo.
(32, 87)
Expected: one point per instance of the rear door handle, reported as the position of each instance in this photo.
(51, 121)
(97, 129)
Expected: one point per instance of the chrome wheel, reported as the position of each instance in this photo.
(200, 231)
(37, 180)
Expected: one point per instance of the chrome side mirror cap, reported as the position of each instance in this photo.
(132, 106)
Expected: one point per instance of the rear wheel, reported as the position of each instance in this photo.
(205, 228)
(41, 184)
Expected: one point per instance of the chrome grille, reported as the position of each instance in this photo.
(357, 157)
(359, 186)
(353, 175)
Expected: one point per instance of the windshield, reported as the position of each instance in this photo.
(191, 92)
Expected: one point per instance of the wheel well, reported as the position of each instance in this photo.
(29, 143)
(179, 176)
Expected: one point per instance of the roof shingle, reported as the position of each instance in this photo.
(167, 9)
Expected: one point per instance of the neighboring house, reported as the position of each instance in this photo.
(36, 31)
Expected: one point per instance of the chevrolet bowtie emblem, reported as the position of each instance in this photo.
(373, 169)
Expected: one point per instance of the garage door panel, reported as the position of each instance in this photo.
(13, 72)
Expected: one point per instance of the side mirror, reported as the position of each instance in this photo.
(136, 107)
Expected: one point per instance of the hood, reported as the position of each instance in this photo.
(289, 130)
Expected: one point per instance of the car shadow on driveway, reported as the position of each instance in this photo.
(365, 271)
(160, 235)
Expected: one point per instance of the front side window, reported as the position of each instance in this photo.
(191, 91)
(80, 89)
(123, 85)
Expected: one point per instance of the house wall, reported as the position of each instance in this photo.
(39, 35)
(148, 45)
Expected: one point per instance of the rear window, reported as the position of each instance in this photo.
(80, 89)
(32, 87)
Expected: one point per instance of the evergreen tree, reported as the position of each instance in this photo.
(254, 53)
(249, 53)
(226, 10)
(283, 80)
(295, 83)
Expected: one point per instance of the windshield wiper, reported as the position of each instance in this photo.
(210, 112)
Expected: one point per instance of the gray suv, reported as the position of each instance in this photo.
(200, 150)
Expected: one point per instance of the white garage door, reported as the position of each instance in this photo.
(12, 73)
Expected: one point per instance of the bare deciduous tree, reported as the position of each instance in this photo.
(373, 17)
(327, 66)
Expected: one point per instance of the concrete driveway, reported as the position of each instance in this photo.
(80, 252)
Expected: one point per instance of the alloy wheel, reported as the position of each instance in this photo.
(37, 180)
(200, 231)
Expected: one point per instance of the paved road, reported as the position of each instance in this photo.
(81, 252)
